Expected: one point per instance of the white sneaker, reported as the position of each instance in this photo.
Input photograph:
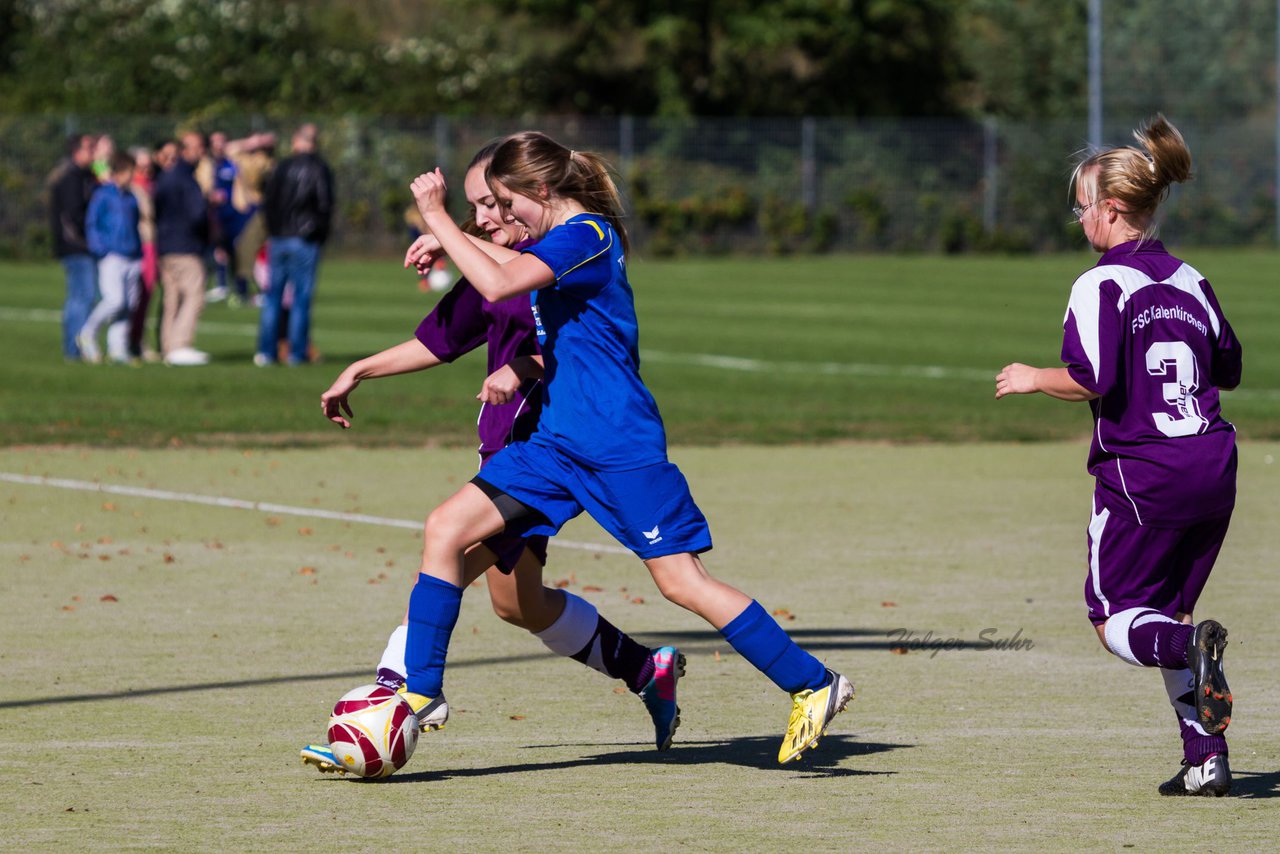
(185, 356)
(262, 360)
(88, 350)
(215, 294)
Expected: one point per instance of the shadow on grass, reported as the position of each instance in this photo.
(1255, 784)
(701, 642)
(758, 751)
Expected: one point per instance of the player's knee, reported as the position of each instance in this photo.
(443, 529)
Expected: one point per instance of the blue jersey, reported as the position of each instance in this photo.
(595, 407)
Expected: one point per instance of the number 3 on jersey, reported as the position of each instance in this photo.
(1178, 357)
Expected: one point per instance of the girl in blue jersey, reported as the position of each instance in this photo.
(569, 625)
(600, 445)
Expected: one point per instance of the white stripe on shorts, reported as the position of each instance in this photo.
(1097, 522)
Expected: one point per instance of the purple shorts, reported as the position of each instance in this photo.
(1132, 566)
(509, 547)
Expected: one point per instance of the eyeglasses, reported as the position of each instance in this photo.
(1079, 210)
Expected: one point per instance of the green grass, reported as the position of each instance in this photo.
(738, 350)
(170, 718)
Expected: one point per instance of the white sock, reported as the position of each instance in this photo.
(393, 655)
(573, 630)
(1180, 686)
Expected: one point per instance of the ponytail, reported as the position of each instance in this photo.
(1139, 178)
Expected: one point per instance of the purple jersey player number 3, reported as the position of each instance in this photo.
(1146, 343)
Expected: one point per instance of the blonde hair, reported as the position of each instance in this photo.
(1137, 178)
(527, 161)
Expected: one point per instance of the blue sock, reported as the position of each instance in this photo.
(433, 612)
(758, 638)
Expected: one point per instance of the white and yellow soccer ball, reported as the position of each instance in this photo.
(372, 731)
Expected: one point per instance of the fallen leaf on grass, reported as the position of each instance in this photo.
(591, 588)
(639, 600)
(168, 558)
(104, 541)
(304, 532)
(619, 690)
(517, 717)
(104, 557)
(108, 506)
(888, 604)
(68, 607)
(307, 570)
(108, 598)
(562, 582)
(717, 655)
(784, 614)
(898, 650)
(273, 521)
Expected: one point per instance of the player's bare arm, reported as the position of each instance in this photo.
(1018, 378)
(493, 279)
(501, 386)
(401, 359)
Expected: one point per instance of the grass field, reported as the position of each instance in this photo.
(164, 658)
(164, 661)
(735, 350)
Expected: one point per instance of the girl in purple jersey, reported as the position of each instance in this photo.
(1146, 343)
(511, 398)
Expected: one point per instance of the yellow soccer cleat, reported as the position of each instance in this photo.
(432, 713)
(811, 712)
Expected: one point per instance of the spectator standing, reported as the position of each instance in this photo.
(253, 165)
(143, 185)
(71, 185)
(182, 238)
(111, 228)
(298, 202)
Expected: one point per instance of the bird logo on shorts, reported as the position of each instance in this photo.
(652, 536)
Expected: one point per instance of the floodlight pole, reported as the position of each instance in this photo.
(1095, 73)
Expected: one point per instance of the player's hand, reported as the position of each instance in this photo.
(428, 192)
(500, 386)
(422, 253)
(1016, 378)
(334, 402)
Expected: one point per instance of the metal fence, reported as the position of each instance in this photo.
(735, 185)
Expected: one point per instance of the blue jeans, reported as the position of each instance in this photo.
(82, 291)
(292, 261)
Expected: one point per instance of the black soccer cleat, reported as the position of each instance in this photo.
(1211, 778)
(1204, 658)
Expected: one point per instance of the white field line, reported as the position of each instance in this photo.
(261, 507)
(706, 360)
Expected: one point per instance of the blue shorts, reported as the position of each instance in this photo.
(649, 510)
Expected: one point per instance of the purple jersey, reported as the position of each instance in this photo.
(1144, 331)
(461, 322)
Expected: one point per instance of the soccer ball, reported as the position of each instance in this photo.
(372, 731)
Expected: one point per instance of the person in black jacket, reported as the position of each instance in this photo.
(70, 186)
(298, 203)
(182, 237)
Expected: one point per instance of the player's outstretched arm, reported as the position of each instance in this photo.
(401, 359)
(1018, 378)
(495, 280)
